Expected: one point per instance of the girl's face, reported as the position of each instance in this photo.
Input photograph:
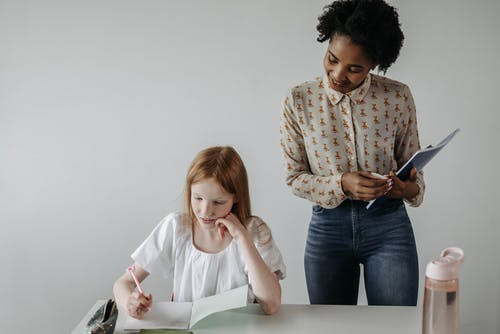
(346, 64)
(209, 201)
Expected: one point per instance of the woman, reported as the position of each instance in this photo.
(336, 130)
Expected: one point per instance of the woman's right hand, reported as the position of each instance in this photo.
(363, 186)
(138, 304)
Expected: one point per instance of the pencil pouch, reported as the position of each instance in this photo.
(104, 319)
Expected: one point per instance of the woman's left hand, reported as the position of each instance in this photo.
(231, 224)
(403, 189)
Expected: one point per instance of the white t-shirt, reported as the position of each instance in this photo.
(169, 251)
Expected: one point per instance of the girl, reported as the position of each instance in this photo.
(335, 131)
(216, 245)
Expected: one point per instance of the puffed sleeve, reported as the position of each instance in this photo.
(157, 253)
(321, 190)
(407, 143)
(266, 246)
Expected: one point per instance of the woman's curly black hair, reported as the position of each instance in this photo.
(372, 24)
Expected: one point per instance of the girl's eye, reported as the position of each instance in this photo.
(355, 69)
(332, 60)
(219, 203)
(198, 198)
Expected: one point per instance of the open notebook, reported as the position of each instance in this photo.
(174, 315)
(418, 160)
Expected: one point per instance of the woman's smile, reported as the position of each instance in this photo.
(338, 85)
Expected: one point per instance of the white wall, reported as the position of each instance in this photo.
(103, 104)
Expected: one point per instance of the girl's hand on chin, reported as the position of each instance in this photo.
(232, 225)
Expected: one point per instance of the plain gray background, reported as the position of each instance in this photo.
(103, 104)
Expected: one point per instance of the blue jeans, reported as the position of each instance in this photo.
(381, 239)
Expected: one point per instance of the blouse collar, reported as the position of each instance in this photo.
(355, 94)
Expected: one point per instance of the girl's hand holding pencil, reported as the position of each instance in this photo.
(138, 304)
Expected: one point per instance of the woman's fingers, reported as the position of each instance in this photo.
(373, 190)
(413, 174)
(398, 186)
(364, 186)
(366, 191)
(397, 181)
(370, 183)
(365, 179)
(369, 196)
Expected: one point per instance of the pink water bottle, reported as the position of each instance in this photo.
(441, 304)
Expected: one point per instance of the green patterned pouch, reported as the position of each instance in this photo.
(104, 319)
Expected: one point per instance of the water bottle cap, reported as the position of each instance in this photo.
(446, 267)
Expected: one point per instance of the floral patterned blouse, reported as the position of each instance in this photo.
(325, 133)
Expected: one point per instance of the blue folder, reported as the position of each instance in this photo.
(418, 160)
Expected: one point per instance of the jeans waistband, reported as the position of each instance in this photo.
(360, 206)
(389, 203)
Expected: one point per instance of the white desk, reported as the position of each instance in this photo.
(302, 319)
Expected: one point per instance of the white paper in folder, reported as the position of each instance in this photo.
(174, 315)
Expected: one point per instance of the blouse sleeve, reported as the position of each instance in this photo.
(298, 175)
(407, 143)
(156, 254)
(267, 248)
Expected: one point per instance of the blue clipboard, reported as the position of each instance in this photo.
(418, 160)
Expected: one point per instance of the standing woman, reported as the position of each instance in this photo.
(334, 131)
